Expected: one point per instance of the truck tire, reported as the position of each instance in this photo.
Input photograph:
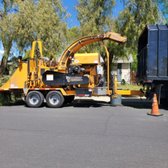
(54, 99)
(34, 99)
(69, 99)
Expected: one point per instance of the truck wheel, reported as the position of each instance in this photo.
(54, 99)
(34, 99)
(69, 99)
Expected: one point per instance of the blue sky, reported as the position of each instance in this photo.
(1, 51)
(69, 6)
(72, 20)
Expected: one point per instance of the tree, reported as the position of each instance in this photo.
(132, 20)
(25, 21)
(42, 19)
(94, 15)
(73, 34)
(7, 30)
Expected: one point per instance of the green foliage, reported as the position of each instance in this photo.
(42, 19)
(8, 98)
(132, 20)
(4, 99)
(25, 21)
(3, 79)
(12, 65)
(73, 34)
(134, 64)
(94, 15)
(8, 30)
(129, 87)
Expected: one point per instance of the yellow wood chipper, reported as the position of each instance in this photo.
(57, 83)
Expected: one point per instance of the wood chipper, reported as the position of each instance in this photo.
(56, 83)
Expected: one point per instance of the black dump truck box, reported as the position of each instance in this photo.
(153, 54)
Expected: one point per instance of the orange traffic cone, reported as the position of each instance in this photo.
(155, 107)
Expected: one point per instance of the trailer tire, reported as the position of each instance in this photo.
(34, 99)
(54, 99)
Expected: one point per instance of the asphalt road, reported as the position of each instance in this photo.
(86, 135)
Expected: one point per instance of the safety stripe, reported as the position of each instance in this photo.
(43, 89)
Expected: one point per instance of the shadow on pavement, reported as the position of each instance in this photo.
(137, 103)
(141, 103)
(16, 103)
(85, 103)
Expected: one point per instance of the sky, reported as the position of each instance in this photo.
(69, 6)
(1, 51)
(72, 20)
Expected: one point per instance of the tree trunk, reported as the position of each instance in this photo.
(3, 66)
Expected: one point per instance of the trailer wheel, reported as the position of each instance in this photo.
(69, 99)
(34, 99)
(54, 99)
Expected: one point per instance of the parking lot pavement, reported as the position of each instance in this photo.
(86, 134)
